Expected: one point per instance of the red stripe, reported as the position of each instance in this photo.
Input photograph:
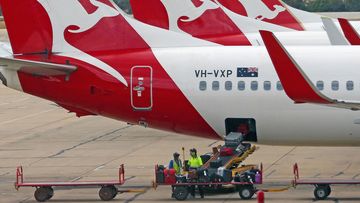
(350, 33)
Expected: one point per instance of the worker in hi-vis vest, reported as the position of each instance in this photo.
(176, 164)
(195, 163)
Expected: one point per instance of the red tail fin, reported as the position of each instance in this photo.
(271, 11)
(201, 19)
(28, 26)
(349, 31)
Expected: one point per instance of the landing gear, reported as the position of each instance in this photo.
(108, 192)
(43, 194)
(246, 192)
(322, 192)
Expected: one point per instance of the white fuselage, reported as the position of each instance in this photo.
(278, 119)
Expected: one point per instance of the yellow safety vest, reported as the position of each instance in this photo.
(195, 162)
(176, 167)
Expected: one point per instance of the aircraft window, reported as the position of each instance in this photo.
(350, 85)
(228, 85)
(254, 85)
(335, 85)
(267, 85)
(241, 85)
(202, 85)
(279, 86)
(320, 85)
(215, 85)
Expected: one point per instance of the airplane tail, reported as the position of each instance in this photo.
(271, 11)
(28, 26)
(202, 19)
(52, 26)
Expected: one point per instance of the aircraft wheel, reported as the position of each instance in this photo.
(322, 192)
(246, 192)
(43, 194)
(107, 193)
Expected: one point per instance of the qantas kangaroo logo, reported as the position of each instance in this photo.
(258, 9)
(189, 12)
(80, 22)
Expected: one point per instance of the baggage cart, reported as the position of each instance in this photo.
(45, 189)
(322, 186)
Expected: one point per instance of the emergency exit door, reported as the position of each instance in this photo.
(141, 88)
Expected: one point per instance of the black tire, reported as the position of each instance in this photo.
(321, 192)
(50, 192)
(107, 193)
(115, 191)
(42, 194)
(246, 192)
(328, 190)
(181, 193)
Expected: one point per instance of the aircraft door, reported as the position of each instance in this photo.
(141, 88)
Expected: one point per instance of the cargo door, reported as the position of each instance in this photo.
(141, 88)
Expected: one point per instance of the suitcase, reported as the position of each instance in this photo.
(160, 177)
(205, 158)
(227, 175)
(215, 163)
(192, 174)
(170, 177)
(203, 175)
(226, 151)
(258, 178)
(181, 179)
(212, 172)
(233, 139)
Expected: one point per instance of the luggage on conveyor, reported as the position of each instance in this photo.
(233, 139)
(205, 158)
(212, 172)
(226, 151)
(215, 163)
(226, 174)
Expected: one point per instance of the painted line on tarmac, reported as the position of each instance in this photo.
(16, 101)
(86, 142)
(136, 196)
(212, 144)
(283, 156)
(355, 176)
(25, 117)
(343, 171)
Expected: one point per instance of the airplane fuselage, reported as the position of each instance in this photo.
(196, 90)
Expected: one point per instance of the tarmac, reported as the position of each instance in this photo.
(54, 145)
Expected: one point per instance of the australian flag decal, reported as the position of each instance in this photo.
(248, 72)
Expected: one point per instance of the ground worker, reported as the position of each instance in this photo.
(195, 163)
(176, 164)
